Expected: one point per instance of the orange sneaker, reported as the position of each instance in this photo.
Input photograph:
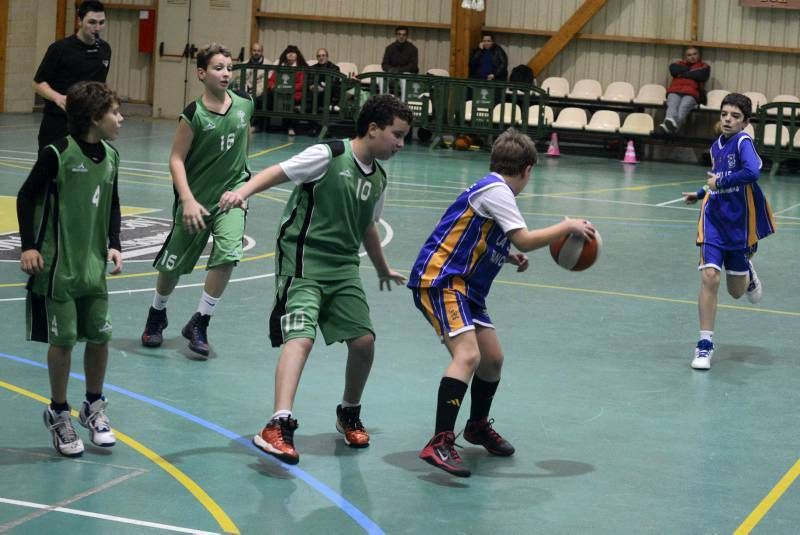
(348, 422)
(277, 439)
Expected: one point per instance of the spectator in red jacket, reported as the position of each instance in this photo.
(290, 57)
(683, 94)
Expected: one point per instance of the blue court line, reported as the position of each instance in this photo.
(348, 508)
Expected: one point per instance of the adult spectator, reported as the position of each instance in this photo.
(324, 63)
(401, 55)
(255, 83)
(684, 93)
(488, 61)
(80, 57)
(290, 57)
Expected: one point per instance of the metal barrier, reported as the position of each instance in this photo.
(440, 104)
(778, 134)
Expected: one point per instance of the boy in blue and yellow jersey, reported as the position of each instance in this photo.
(733, 217)
(69, 224)
(451, 279)
(334, 208)
(208, 157)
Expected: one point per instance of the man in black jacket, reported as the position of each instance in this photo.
(401, 56)
(81, 57)
(488, 61)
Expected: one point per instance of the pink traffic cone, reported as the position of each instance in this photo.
(630, 154)
(552, 150)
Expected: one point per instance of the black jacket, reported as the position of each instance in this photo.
(499, 63)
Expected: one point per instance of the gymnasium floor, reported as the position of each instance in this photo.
(614, 432)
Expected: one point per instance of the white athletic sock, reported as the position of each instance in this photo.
(160, 301)
(707, 335)
(207, 304)
(282, 414)
(345, 404)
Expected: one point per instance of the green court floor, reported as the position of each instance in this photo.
(614, 432)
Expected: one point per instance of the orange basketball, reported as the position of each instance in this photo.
(574, 253)
(461, 143)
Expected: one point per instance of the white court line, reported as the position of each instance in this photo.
(386, 239)
(673, 201)
(787, 209)
(112, 518)
(72, 499)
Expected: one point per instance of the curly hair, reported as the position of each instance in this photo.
(210, 50)
(87, 102)
(512, 152)
(381, 110)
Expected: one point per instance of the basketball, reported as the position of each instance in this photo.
(462, 143)
(574, 253)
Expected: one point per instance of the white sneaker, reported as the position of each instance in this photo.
(291, 132)
(702, 355)
(754, 290)
(93, 417)
(65, 439)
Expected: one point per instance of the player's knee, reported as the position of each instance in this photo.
(735, 291)
(468, 360)
(710, 278)
(363, 346)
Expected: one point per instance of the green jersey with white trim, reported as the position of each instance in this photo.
(324, 221)
(217, 159)
(73, 221)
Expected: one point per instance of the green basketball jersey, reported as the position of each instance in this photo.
(217, 159)
(324, 222)
(73, 221)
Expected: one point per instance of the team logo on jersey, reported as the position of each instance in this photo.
(80, 169)
(209, 126)
(346, 173)
(142, 238)
(241, 115)
(731, 161)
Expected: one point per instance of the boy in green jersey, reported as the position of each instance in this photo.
(336, 203)
(69, 223)
(209, 157)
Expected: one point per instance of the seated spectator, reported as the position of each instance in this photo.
(488, 61)
(324, 62)
(290, 57)
(254, 84)
(401, 55)
(684, 93)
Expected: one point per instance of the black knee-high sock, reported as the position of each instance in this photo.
(482, 394)
(451, 393)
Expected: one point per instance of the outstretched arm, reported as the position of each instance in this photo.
(527, 240)
(372, 244)
(269, 177)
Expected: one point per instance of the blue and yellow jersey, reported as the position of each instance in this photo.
(465, 251)
(737, 215)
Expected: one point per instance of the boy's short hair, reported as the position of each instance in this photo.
(401, 28)
(87, 102)
(742, 102)
(210, 50)
(381, 110)
(90, 5)
(512, 152)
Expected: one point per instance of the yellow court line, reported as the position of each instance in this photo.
(15, 166)
(149, 273)
(607, 190)
(270, 197)
(769, 500)
(265, 151)
(646, 297)
(211, 506)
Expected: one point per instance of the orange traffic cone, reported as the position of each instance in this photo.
(552, 150)
(630, 153)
